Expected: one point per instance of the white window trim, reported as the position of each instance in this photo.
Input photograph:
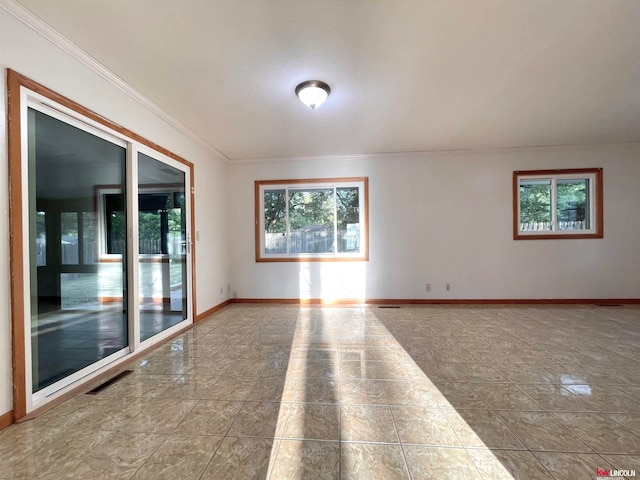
(328, 183)
(595, 204)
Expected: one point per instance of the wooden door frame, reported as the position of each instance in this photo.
(15, 82)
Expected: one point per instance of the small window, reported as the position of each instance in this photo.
(311, 220)
(558, 204)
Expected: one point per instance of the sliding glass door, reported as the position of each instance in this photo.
(106, 238)
(162, 246)
(79, 311)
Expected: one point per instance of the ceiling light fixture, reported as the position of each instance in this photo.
(313, 93)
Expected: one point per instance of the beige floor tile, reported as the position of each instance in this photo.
(247, 368)
(405, 368)
(601, 433)
(367, 423)
(210, 367)
(278, 389)
(362, 461)
(482, 428)
(260, 419)
(424, 426)
(414, 393)
(556, 398)
(309, 353)
(53, 458)
(241, 459)
(190, 387)
(458, 395)
(179, 457)
(430, 357)
(276, 368)
(633, 390)
(480, 373)
(440, 463)
(630, 421)
(607, 399)
(528, 373)
(118, 456)
(314, 368)
(230, 388)
(376, 330)
(507, 465)
(22, 438)
(321, 341)
(541, 432)
(505, 396)
(440, 373)
(145, 386)
(277, 330)
(351, 339)
(108, 414)
(389, 354)
(313, 421)
(306, 459)
(601, 374)
(460, 355)
(362, 392)
(359, 370)
(624, 462)
(210, 417)
(317, 389)
(267, 352)
(160, 415)
(164, 365)
(229, 351)
(570, 466)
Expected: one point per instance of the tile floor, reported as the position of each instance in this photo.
(417, 392)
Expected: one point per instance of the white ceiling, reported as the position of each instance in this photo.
(406, 75)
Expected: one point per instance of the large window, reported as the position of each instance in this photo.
(311, 220)
(558, 204)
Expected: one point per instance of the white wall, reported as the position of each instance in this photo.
(28, 53)
(438, 218)
(447, 218)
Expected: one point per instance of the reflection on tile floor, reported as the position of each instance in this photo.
(283, 392)
(70, 340)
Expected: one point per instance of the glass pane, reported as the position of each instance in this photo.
(535, 205)
(89, 239)
(573, 204)
(149, 238)
(69, 238)
(116, 223)
(41, 239)
(78, 308)
(275, 222)
(348, 219)
(162, 225)
(311, 220)
(80, 291)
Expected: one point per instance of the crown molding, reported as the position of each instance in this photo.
(34, 22)
(435, 152)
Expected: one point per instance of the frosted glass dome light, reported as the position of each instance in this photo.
(313, 93)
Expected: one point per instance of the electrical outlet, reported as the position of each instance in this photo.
(428, 287)
(448, 287)
(221, 290)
